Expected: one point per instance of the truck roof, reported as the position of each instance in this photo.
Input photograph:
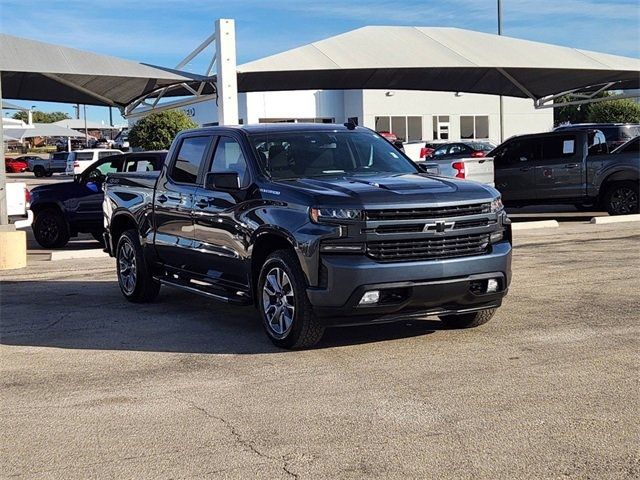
(279, 127)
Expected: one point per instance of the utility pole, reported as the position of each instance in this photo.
(4, 219)
(501, 99)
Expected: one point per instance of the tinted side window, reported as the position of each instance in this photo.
(559, 146)
(229, 158)
(190, 155)
(632, 147)
(517, 151)
(106, 154)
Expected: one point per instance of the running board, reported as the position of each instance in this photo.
(237, 300)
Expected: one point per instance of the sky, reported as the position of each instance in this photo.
(163, 32)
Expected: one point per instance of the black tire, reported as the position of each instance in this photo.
(38, 171)
(468, 320)
(305, 329)
(140, 287)
(50, 228)
(97, 236)
(621, 198)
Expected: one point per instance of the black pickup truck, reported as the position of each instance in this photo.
(317, 225)
(567, 167)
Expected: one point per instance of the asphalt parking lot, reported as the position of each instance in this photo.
(190, 388)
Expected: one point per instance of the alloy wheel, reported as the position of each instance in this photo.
(127, 268)
(278, 301)
(49, 229)
(624, 201)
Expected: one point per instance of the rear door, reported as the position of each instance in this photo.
(559, 173)
(173, 202)
(220, 237)
(514, 167)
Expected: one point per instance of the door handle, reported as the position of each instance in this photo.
(571, 165)
(202, 203)
(162, 198)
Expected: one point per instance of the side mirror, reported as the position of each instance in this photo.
(222, 181)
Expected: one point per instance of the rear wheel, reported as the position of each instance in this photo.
(38, 171)
(134, 276)
(287, 314)
(50, 228)
(468, 320)
(621, 198)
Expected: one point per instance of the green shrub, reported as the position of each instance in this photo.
(157, 131)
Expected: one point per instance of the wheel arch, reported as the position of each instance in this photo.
(264, 243)
(120, 223)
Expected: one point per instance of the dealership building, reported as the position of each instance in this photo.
(411, 115)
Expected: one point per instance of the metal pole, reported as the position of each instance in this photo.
(501, 99)
(86, 133)
(227, 75)
(4, 218)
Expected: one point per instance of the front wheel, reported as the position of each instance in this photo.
(468, 320)
(622, 198)
(135, 280)
(287, 314)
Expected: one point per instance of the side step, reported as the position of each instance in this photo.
(240, 298)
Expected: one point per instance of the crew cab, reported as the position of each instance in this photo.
(567, 167)
(64, 209)
(316, 224)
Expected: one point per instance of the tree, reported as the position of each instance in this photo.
(157, 131)
(41, 117)
(614, 111)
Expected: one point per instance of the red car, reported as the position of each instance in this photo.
(16, 165)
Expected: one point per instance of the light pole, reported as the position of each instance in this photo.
(501, 99)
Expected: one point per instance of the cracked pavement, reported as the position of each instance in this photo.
(94, 387)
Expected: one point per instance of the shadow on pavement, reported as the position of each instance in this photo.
(94, 315)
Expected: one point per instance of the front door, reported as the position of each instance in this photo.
(559, 173)
(173, 203)
(221, 238)
(514, 166)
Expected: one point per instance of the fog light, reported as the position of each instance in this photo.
(370, 298)
(492, 285)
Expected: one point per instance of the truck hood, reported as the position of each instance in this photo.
(390, 190)
(58, 192)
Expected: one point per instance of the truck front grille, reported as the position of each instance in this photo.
(427, 213)
(428, 249)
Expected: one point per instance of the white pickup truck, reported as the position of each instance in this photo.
(18, 199)
(474, 166)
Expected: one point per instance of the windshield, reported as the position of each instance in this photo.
(322, 154)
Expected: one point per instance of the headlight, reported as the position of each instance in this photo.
(496, 205)
(322, 214)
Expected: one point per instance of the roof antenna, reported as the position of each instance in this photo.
(350, 125)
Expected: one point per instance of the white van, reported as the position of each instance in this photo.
(79, 160)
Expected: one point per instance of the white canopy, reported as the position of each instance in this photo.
(440, 59)
(42, 130)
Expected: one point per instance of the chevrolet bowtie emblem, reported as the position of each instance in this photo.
(438, 227)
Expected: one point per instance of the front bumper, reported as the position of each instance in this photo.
(442, 286)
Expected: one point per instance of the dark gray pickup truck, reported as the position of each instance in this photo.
(317, 225)
(567, 167)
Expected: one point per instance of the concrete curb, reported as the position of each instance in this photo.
(617, 219)
(535, 225)
(77, 254)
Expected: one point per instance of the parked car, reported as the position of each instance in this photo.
(62, 145)
(462, 149)
(18, 199)
(615, 133)
(18, 164)
(317, 224)
(121, 142)
(79, 160)
(102, 143)
(45, 167)
(632, 146)
(62, 210)
(567, 166)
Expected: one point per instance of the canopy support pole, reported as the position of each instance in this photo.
(4, 218)
(227, 76)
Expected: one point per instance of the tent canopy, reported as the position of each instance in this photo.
(42, 130)
(78, 124)
(439, 59)
(34, 70)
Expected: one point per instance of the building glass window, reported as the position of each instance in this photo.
(399, 127)
(405, 128)
(441, 127)
(414, 128)
(474, 127)
(383, 124)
